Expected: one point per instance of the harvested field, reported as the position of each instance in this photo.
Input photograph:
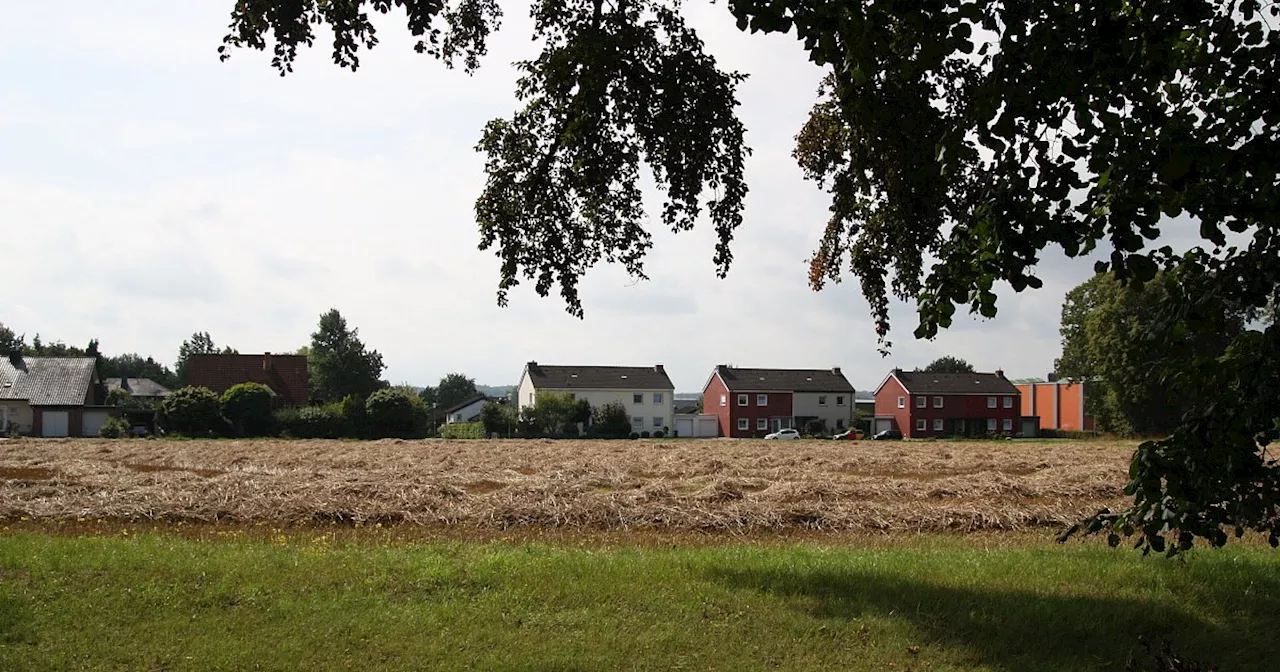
(712, 485)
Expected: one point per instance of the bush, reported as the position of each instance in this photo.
(192, 410)
(815, 427)
(633, 435)
(659, 434)
(114, 428)
(395, 413)
(247, 408)
(313, 422)
(610, 421)
(463, 430)
(644, 434)
(497, 418)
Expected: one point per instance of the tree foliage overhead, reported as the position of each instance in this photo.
(974, 133)
(949, 364)
(339, 364)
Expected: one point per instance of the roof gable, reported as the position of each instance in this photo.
(458, 407)
(598, 377)
(138, 387)
(286, 375)
(923, 382)
(783, 380)
(48, 381)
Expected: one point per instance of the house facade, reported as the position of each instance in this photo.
(645, 391)
(284, 375)
(922, 404)
(750, 403)
(469, 410)
(1059, 405)
(50, 396)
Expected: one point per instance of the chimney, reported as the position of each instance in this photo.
(897, 370)
(266, 361)
(1051, 377)
(1000, 373)
(658, 368)
(835, 370)
(15, 358)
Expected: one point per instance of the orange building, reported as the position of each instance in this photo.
(1059, 405)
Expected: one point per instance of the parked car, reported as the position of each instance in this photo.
(783, 434)
(850, 435)
(888, 435)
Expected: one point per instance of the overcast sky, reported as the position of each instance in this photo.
(148, 191)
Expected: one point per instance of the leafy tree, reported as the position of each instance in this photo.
(1053, 127)
(949, 364)
(553, 413)
(132, 365)
(114, 428)
(11, 342)
(497, 418)
(192, 410)
(339, 364)
(395, 412)
(611, 421)
(247, 407)
(453, 389)
(39, 348)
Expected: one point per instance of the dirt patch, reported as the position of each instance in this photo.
(713, 487)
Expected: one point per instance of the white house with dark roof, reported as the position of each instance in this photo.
(49, 396)
(645, 391)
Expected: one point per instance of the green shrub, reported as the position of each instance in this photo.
(816, 427)
(114, 428)
(463, 430)
(1068, 434)
(313, 422)
(633, 435)
(644, 434)
(497, 418)
(395, 412)
(610, 421)
(658, 434)
(192, 410)
(247, 408)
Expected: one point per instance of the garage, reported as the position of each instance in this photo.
(55, 423)
(697, 426)
(93, 421)
(882, 424)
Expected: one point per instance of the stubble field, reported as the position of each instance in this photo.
(685, 485)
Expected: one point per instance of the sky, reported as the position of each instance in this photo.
(149, 191)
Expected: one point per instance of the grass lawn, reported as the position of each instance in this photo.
(305, 600)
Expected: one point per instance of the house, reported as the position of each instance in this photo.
(142, 389)
(753, 402)
(284, 375)
(1059, 404)
(50, 396)
(922, 404)
(469, 410)
(645, 391)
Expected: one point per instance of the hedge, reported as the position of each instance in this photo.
(463, 430)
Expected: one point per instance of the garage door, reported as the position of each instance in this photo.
(883, 424)
(54, 423)
(93, 421)
(684, 426)
(708, 428)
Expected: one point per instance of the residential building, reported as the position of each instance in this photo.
(284, 375)
(469, 410)
(645, 391)
(1058, 403)
(50, 396)
(754, 402)
(922, 404)
(142, 389)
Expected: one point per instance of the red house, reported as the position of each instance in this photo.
(284, 375)
(750, 403)
(921, 404)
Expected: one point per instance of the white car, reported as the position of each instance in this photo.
(783, 434)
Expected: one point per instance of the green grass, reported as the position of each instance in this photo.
(163, 601)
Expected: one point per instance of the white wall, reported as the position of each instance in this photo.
(647, 410)
(805, 404)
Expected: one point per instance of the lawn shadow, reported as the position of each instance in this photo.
(1025, 630)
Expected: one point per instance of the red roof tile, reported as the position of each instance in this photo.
(286, 375)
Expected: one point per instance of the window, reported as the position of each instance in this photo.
(839, 400)
(991, 403)
(991, 423)
(937, 402)
(742, 400)
(762, 423)
(657, 397)
(1008, 402)
(921, 425)
(742, 424)
(637, 398)
(762, 400)
(921, 402)
(822, 400)
(530, 397)
(1007, 425)
(839, 423)
(657, 423)
(637, 422)
(724, 400)
(937, 424)
(902, 402)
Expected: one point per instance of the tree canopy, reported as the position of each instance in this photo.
(339, 363)
(949, 364)
(958, 139)
(454, 389)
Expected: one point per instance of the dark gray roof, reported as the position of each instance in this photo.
(599, 377)
(921, 382)
(138, 387)
(458, 407)
(784, 380)
(47, 381)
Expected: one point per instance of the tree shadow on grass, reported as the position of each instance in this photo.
(1026, 630)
